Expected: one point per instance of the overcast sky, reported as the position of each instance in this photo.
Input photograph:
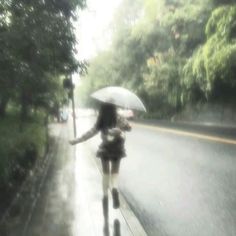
(92, 26)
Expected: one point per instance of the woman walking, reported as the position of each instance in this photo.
(112, 127)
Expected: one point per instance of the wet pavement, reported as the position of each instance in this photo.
(172, 184)
(180, 185)
(63, 196)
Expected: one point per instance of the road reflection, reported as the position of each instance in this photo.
(116, 227)
(106, 231)
(93, 214)
(116, 224)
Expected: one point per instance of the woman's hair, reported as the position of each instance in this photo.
(107, 117)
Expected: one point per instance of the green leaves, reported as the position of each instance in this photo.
(38, 44)
(214, 63)
(170, 52)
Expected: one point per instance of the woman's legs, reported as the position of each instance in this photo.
(105, 185)
(115, 166)
(105, 176)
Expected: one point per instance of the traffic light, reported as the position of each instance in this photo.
(67, 84)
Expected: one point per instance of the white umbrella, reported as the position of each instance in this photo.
(119, 96)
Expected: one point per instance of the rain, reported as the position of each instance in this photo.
(117, 118)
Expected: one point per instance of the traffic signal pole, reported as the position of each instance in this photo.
(73, 107)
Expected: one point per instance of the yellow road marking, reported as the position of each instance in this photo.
(189, 134)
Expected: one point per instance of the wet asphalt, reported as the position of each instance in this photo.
(179, 185)
(175, 185)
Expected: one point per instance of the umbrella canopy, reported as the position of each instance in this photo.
(119, 96)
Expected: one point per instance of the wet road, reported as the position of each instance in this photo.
(176, 184)
(180, 185)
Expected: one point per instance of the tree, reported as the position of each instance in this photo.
(7, 65)
(38, 41)
(166, 52)
(214, 64)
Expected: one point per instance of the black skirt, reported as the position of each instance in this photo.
(112, 151)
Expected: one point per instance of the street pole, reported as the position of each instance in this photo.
(73, 106)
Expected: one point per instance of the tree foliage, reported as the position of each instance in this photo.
(213, 66)
(171, 52)
(37, 48)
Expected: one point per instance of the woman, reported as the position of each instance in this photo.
(111, 150)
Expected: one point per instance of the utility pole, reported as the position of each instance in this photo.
(73, 106)
(68, 84)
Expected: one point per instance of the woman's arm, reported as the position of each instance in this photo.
(92, 132)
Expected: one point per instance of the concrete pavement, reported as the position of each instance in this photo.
(65, 197)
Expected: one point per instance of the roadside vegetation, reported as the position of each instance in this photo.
(173, 53)
(37, 54)
(20, 146)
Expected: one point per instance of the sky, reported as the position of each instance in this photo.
(92, 27)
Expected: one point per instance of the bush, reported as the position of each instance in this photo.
(19, 149)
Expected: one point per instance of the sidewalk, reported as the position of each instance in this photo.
(63, 196)
(88, 208)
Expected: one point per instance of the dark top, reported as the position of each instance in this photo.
(112, 146)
